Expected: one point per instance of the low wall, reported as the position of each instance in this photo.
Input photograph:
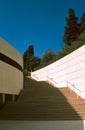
(11, 64)
(68, 71)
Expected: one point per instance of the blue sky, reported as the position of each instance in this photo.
(36, 22)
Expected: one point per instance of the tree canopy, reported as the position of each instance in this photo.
(74, 37)
(48, 56)
(82, 23)
(72, 28)
(30, 61)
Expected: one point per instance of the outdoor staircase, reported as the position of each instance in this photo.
(76, 102)
(41, 101)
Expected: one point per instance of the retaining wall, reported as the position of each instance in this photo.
(68, 71)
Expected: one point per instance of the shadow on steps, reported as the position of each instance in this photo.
(39, 101)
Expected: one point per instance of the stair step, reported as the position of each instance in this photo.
(41, 101)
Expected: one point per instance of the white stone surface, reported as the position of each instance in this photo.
(70, 68)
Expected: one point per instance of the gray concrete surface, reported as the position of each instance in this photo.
(42, 125)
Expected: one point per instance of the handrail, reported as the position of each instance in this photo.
(34, 76)
(73, 85)
(51, 79)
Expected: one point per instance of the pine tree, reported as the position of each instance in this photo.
(72, 28)
(82, 23)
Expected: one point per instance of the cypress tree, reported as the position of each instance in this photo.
(72, 28)
(30, 61)
(82, 23)
(31, 50)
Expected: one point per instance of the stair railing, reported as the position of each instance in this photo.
(35, 77)
(74, 88)
(51, 80)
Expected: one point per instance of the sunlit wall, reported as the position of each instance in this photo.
(68, 71)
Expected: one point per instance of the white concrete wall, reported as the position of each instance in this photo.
(67, 71)
(11, 78)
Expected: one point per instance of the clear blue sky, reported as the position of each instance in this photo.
(37, 22)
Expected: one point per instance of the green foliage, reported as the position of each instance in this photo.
(31, 50)
(72, 29)
(82, 23)
(34, 61)
(79, 41)
(74, 45)
(30, 61)
(74, 37)
(66, 50)
(48, 56)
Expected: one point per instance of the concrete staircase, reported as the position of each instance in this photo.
(41, 101)
(76, 102)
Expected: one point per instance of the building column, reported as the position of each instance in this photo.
(13, 98)
(3, 98)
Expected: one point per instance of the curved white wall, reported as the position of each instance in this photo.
(11, 64)
(66, 71)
